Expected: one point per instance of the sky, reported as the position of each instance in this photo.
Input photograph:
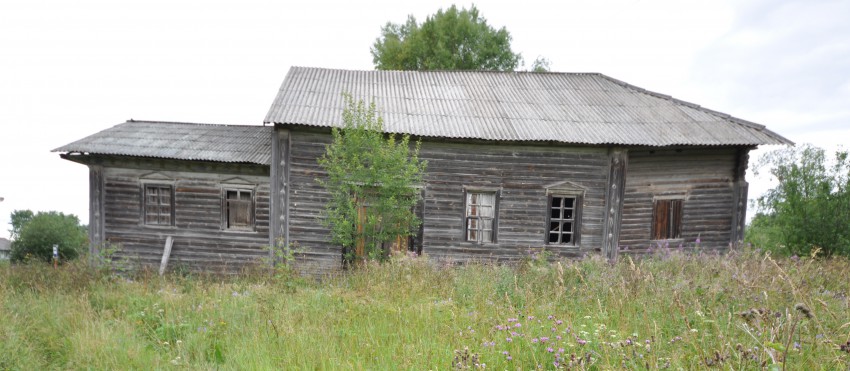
(69, 69)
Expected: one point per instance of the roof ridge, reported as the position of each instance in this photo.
(131, 120)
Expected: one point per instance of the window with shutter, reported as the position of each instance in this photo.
(667, 219)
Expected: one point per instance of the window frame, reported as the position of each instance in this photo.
(143, 220)
(674, 218)
(226, 204)
(576, 219)
(496, 192)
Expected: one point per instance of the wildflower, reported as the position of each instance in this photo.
(558, 337)
(505, 352)
(550, 350)
(534, 341)
(544, 339)
(509, 340)
(581, 341)
(629, 341)
(556, 364)
(530, 318)
(511, 320)
(509, 358)
(559, 322)
(698, 240)
(560, 350)
(514, 334)
(550, 317)
(800, 307)
(554, 329)
(518, 324)
(500, 327)
(797, 345)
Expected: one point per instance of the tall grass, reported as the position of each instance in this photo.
(743, 310)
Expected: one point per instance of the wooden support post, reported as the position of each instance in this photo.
(740, 188)
(96, 197)
(279, 180)
(618, 162)
(166, 253)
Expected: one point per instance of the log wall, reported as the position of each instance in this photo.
(519, 172)
(200, 241)
(704, 177)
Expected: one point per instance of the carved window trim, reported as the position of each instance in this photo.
(238, 208)
(563, 209)
(481, 215)
(157, 204)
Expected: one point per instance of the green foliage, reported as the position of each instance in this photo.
(36, 237)
(18, 220)
(541, 64)
(449, 40)
(809, 209)
(742, 311)
(372, 180)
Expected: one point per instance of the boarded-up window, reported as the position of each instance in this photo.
(480, 215)
(238, 209)
(667, 219)
(562, 220)
(158, 205)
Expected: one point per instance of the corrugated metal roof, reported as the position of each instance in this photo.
(585, 108)
(182, 141)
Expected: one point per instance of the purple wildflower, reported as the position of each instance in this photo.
(544, 339)
(509, 340)
(534, 340)
(509, 358)
(581, 341)
(530, 318)
(558, 322)
(511, 320)
(560, 350)
(518, 324)
(550, 317)
(550, 350)
(558, 337)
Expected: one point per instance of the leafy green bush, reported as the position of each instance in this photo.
(45, 229)
(372, 180)
(809, 209)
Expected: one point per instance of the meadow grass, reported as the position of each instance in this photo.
(743, 310)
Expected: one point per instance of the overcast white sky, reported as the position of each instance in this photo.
(71, 68)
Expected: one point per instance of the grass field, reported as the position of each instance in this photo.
(744, 310)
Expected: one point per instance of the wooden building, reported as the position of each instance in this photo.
(573, 163)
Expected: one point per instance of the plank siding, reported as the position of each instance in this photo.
(200, 243)
(704, 178)
(519, 172)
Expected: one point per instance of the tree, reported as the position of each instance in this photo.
(449, 40)
(810, 206)
(541, 64)
(18, 219)
(372, 180)
(43, 230)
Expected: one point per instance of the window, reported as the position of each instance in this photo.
(667, 219)
(480, 215)
(158, 205)
(238, 209)
(563, 217)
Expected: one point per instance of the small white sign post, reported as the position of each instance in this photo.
(55, 255)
